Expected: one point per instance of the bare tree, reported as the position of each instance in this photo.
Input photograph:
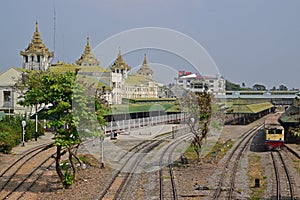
(199, 111)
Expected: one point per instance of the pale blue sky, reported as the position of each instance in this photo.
(251, 41)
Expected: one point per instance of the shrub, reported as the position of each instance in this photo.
(68, 179)
(8, 141)
(11, 131)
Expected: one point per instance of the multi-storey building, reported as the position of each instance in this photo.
(116, 83)
(197, 83)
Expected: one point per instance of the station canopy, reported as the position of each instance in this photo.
(291, 115)
(239, 107)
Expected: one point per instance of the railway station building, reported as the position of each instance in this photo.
(243, 112)
(290, 120)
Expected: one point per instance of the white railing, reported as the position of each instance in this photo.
(130, 124)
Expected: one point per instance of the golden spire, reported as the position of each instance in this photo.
(120, 57)
(87, 49)
(119, 54)
(145, 69)
(145, 60)
(88, 41)
(36, 26)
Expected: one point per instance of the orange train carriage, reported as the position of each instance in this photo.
(274, 132)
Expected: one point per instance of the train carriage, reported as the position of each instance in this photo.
(274, 133)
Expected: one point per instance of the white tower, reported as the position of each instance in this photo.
(36, 56)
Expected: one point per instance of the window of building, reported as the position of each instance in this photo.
(38, 58)
(7, 96)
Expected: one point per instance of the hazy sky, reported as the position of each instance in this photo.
(251, 41)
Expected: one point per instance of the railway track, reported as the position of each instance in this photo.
(115, 189)
(167, 187)
(21, 172)
(232, 163)
(120, 179)
(284, 186)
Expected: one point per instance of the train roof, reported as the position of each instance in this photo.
(273, 121)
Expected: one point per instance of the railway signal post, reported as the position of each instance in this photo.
(102, 151)
(23, 132)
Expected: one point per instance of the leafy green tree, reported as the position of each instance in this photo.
(60, 92)
(259, 87)
(34, 96)
(232, 86)
(273, 88)
(283, 88)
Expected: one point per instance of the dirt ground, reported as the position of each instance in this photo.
(91, 180)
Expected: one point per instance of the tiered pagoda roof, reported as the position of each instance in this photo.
(145, 69)
(120, 63)
(37, 46)
(88, 58)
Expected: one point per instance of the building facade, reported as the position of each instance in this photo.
(9, 96)
(196, 83)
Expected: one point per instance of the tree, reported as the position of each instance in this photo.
(232, 86)
(199, 111)
(282, 88)
(60, 92)
(273, 88)
(34, 95)
(259, 87)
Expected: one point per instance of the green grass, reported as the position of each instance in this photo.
(219, 150)
(190, 153)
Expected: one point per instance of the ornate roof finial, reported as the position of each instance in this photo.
(88, 41)
(119, 54)
(36, 26)
(145, 60)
